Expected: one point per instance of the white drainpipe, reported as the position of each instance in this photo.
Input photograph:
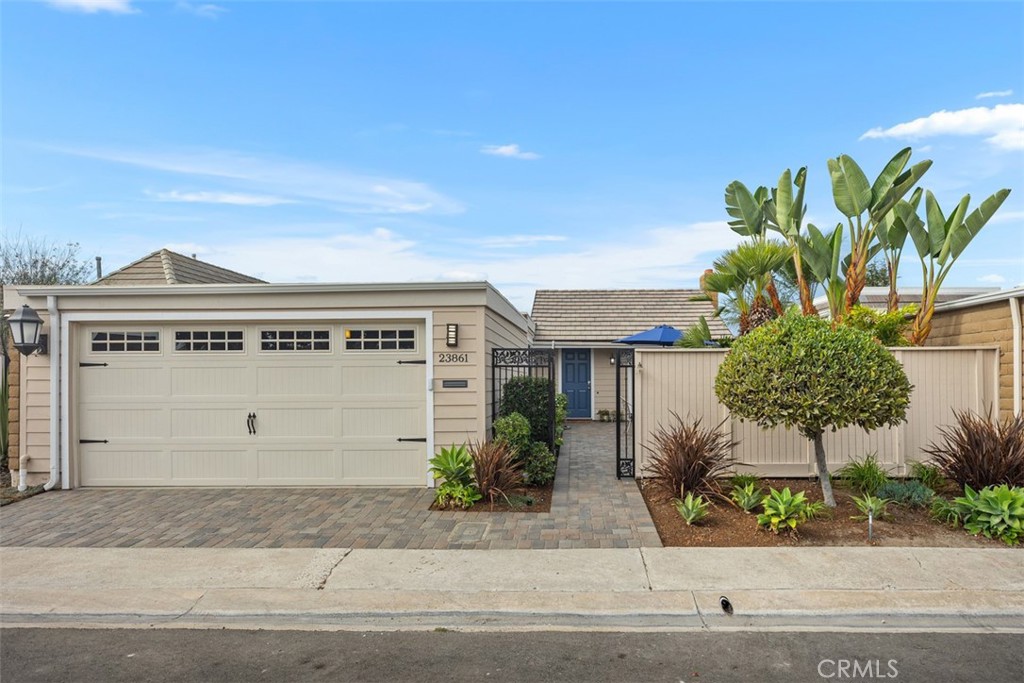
(23, 472)
(55, 359)
(1017, 372)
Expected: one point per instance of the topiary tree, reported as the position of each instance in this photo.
(799, 372)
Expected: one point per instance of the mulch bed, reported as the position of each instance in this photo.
(541, 496)
(9, 492)
(728, 526)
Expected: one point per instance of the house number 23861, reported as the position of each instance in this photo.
(453, 358)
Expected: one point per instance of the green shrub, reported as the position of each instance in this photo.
(994, 511)
(495, 469)
(530, 397)
(687, 457)
(980, 452)
(691, 508)
(946, 512)
(561, 414)
(872, 505)
(783, 510)
(929, 475)
(452, 495)
(741, 480)
(799, 372)
(864, 475)
(514, 429)
(747, 497)
(890, 328)
(455, 467)
(539, 467)
(910, 493)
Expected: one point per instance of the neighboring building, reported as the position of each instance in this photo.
(584, 323)
(990, 319)
(878, 297)
(234, 382)
(166, 267)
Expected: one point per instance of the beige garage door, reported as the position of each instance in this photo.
(292, 404)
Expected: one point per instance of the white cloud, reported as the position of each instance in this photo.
(1007, 217)
(515, 241)
(95, 6)
(993, 279)
(204, 10)
(233, 198)
(993, 93)
(511, 151)
(1003, 126)
(670, 256)
(340, 189)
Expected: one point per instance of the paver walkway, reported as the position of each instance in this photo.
(590, 509)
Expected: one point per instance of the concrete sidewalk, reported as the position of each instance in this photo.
(661, 589)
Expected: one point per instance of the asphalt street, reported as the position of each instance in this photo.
(44, 654)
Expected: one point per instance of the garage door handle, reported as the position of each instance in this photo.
(421, 439)
(250, 422)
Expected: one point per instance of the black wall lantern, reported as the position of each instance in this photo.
(452, 334)
(26, 326)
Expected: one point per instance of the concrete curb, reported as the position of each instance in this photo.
(669, 589)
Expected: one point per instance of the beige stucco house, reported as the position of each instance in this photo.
(583, 324)
(172, 372)
(989, 319)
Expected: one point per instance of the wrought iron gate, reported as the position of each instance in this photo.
(625, 403)
(507, 364)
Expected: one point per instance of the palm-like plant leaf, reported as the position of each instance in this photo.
(961, 237)
(745, 209)
(850, 188)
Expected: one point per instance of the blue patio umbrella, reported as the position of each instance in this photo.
(662, 335)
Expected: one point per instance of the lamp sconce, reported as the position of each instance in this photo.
(452, 334)
(26, 325)
(611, 359)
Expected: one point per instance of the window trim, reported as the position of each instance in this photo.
(142, 341)
(192, 331)
(260, 340)
(398, 330)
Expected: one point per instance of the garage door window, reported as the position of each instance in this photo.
(208, 340)
(380, 340)
(295, 340)
(126, 341)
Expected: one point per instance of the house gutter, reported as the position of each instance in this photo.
(55, 362)
(1017, 353)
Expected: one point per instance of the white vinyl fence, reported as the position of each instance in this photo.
(944, 378)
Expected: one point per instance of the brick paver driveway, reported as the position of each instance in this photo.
(590, 509)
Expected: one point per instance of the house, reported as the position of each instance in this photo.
(166, 267)
(583, 324)
(878, 297)
(992, 318)
(173, 372)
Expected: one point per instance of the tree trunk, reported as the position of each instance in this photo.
(856, 276)
(773, 296)
(806, 302)
(922, 326)
(826, 482)
(894, 297)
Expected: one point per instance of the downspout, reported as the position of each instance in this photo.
(55, 360)
(1017, 352)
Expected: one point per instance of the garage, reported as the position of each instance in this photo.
(225, 381)
(275, 403)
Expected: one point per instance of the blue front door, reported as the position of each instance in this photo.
(576, 381)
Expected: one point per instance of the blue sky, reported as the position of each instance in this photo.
(536, 145)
